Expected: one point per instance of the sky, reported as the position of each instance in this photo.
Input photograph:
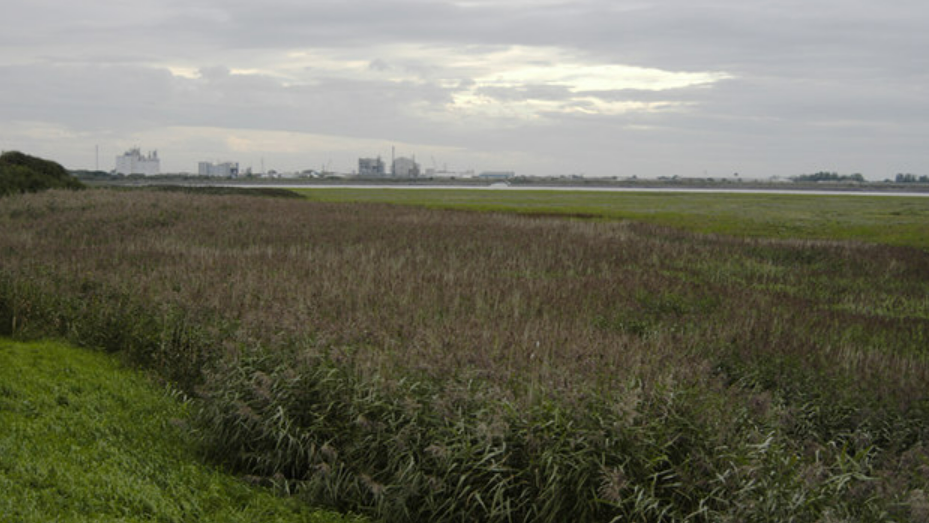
(689, 88)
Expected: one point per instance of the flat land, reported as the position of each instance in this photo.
(893, 220)
(524, 356)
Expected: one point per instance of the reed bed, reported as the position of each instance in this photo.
(428, 365)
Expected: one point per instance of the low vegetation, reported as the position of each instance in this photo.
(432, 365)
(894, 220)
(82, 439)
(21, 173)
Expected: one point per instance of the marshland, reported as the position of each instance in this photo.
(640, 358)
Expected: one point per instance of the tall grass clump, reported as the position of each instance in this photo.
(84, 439)
(426, 365)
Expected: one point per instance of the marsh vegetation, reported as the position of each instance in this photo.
(419, 364)
(84, 439)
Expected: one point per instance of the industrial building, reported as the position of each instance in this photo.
(405, 168)
(371, 166)
(132, 162)
(224, 170)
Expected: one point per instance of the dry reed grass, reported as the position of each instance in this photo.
(434, 365)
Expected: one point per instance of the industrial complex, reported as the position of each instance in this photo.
(133, 162)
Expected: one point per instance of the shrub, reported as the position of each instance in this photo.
(21, 173)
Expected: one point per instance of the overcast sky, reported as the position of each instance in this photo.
(599, 87)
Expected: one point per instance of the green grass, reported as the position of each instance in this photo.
(82, 439)
(891, 220)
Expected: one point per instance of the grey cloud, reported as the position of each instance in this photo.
(528, 92)
(814, 83)
(682, 94)
(84, 96)
(118, 96)
(378, 65)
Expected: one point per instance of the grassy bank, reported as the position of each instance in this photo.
(432, 365)
(82, 439)
(892, 220)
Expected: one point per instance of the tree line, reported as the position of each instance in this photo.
(825, 176)
(911, 178)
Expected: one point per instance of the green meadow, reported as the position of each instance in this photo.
(894, 220)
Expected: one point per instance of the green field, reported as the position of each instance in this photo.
(894, 220)
(83, 439)
(432, 364)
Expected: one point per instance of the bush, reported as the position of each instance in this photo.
(21, 173)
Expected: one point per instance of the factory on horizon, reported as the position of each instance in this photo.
(224, 170)
(371, 167)
(399, 167)
(132, 162)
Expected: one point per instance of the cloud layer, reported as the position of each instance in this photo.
(539, 87)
